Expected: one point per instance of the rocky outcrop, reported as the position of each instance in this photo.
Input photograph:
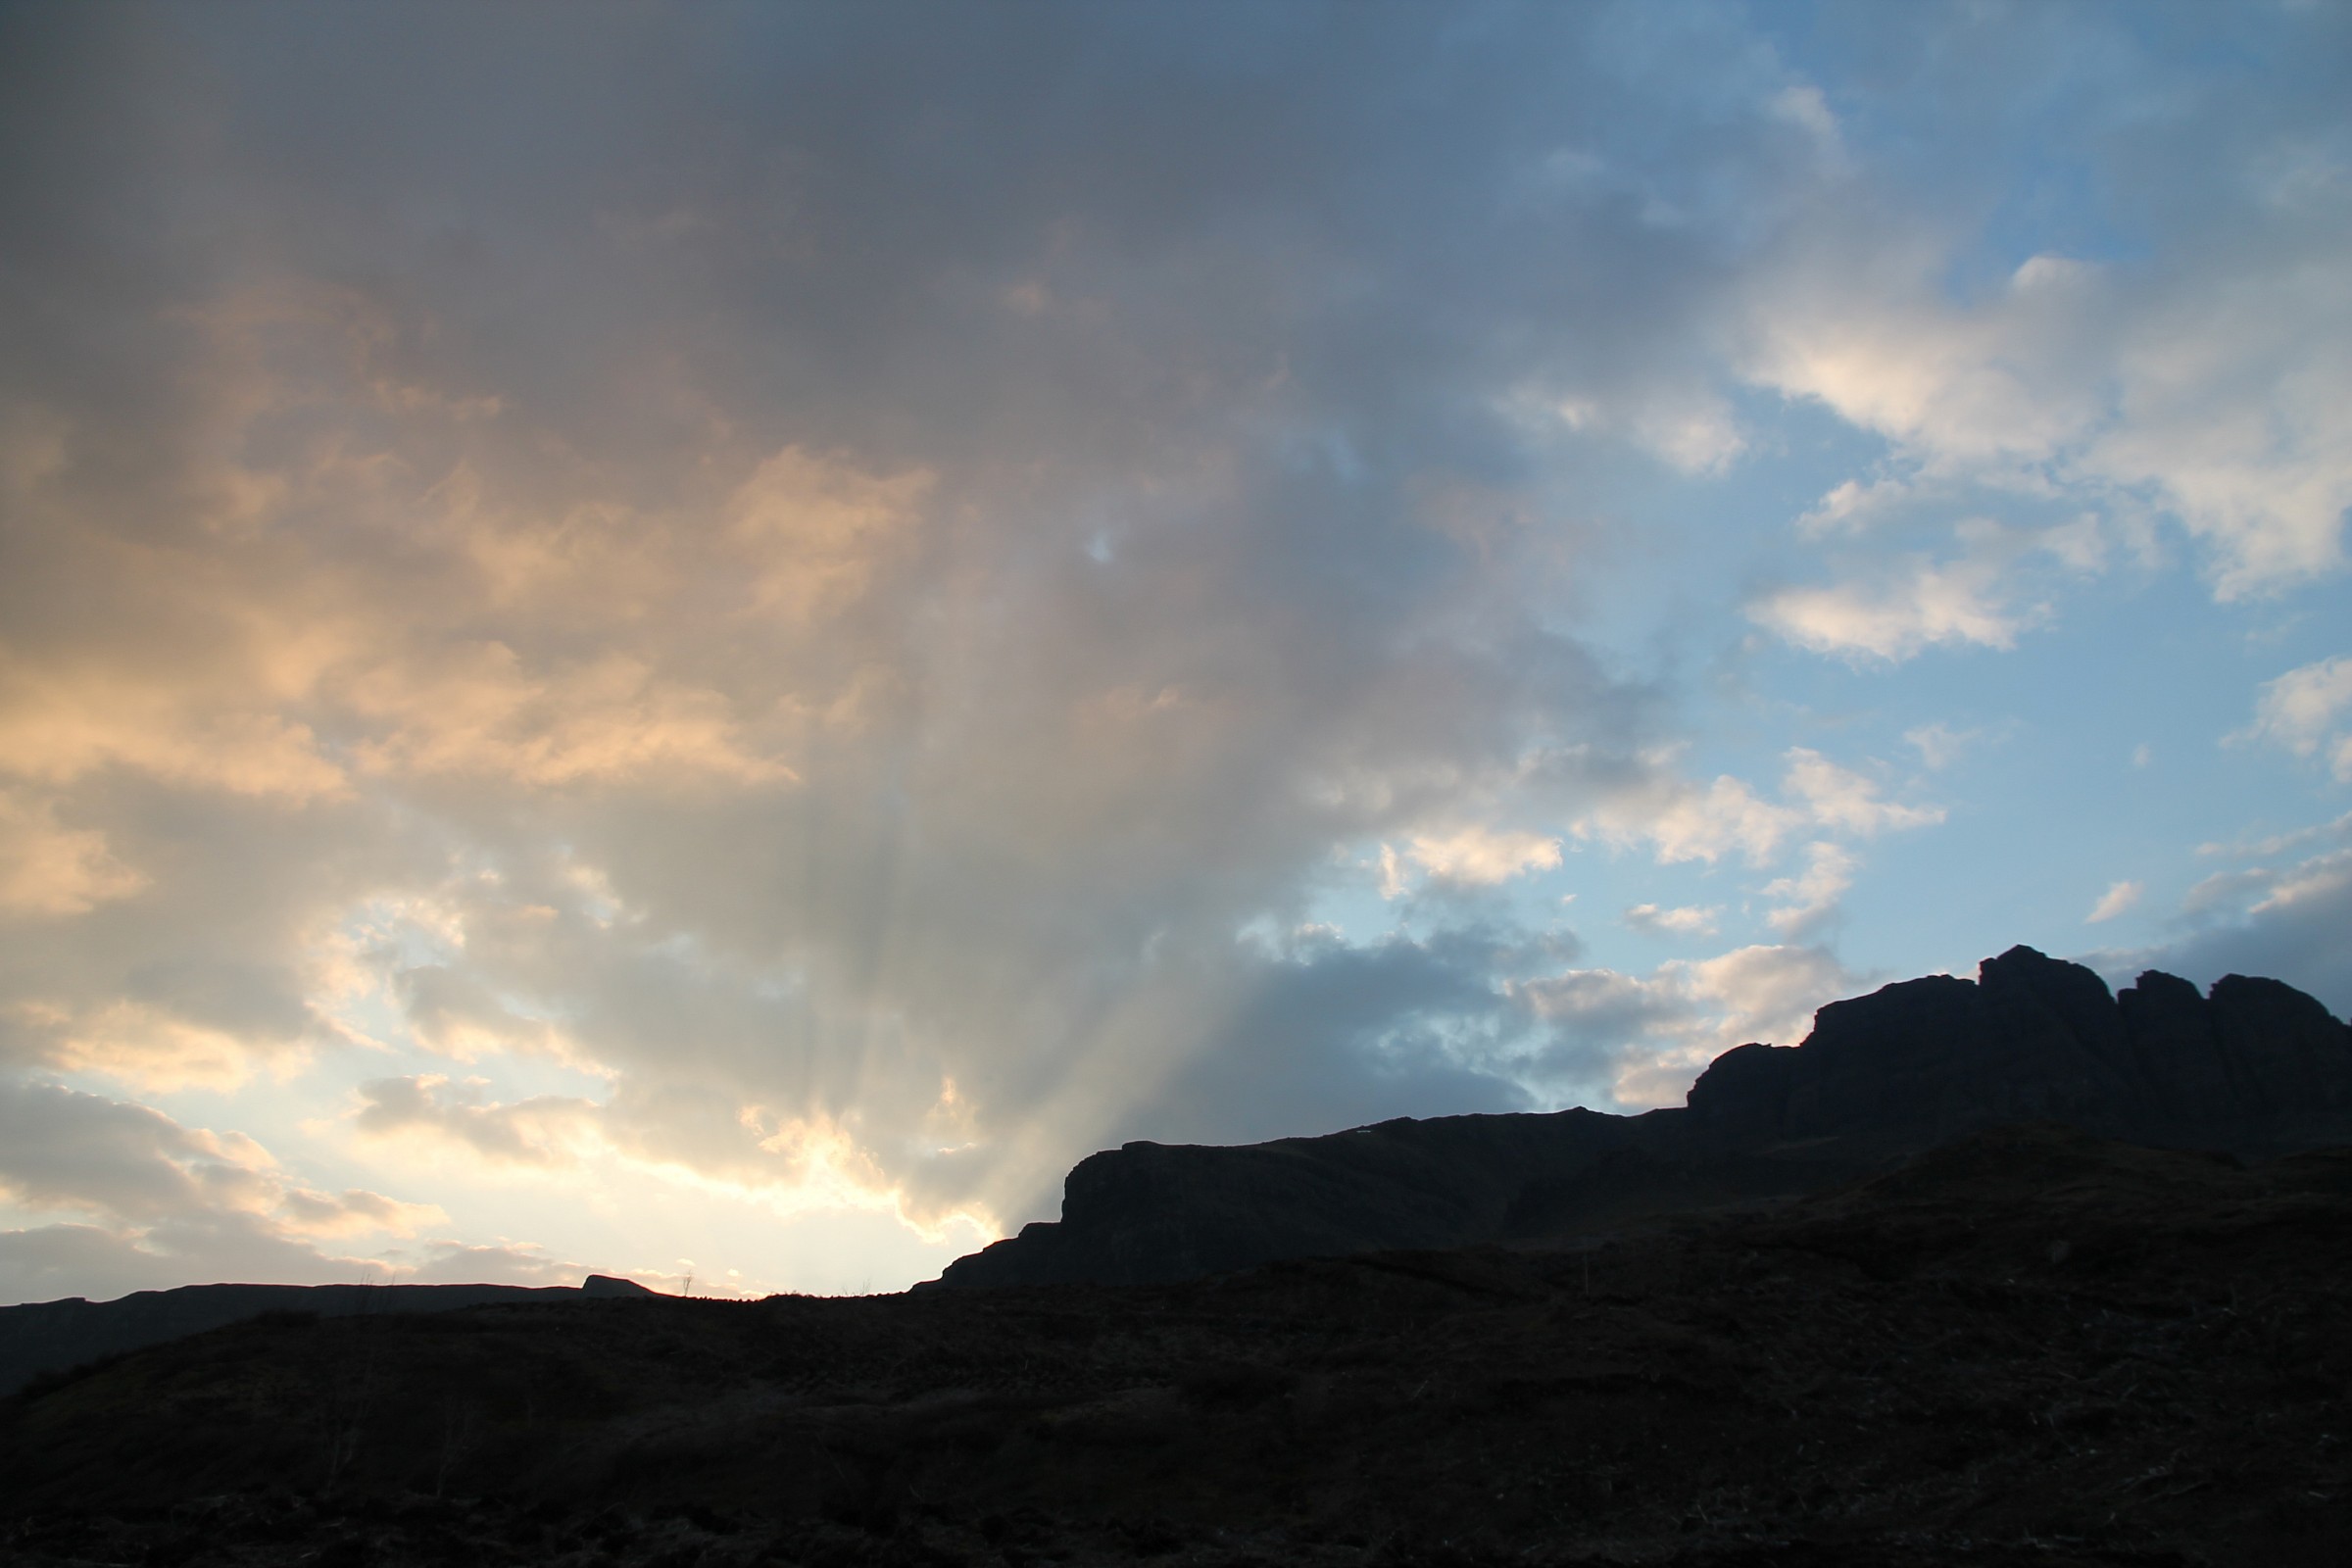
(2255, 1068)
(1153, 1212)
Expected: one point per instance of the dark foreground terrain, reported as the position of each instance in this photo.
(2028, 1347)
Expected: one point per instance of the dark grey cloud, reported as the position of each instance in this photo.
(1330, 1036)
(124, 1198)
(2287, 921)
(63, 1147)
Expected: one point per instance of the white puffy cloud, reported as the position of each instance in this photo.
(1843, 799)
(1663, 1029)
(1852, 505)
(2173, 371)
(1687, 921)
(2319, 883)
(2225, 400)
(1685, 821)
(152, 1048)
(1811, 898)
(1484, 855)
(2309, 712)
(2120, 899)
(1900, 610)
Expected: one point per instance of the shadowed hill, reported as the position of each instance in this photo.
(2255, 1067)
(49, 1336)
(2028, 1347)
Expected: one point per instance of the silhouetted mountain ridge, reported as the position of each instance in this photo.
(49, 1336)
(2254, 1068)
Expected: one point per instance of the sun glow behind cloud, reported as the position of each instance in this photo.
(746, 638)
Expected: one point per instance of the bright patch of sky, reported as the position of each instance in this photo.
(714, 645)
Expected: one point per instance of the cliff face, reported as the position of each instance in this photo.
(2255, 1068)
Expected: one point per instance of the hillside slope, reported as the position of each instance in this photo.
(41, 1336)
(2026, 1348)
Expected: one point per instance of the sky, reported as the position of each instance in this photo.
(708, 641)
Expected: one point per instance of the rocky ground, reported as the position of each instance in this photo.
(2029, 1348)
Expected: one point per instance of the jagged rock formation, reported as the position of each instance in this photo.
(51, 1336)
(2255, 1068)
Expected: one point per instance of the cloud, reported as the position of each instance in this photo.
(2198, 372)
(2224, 888)
(1839, 798)
(1696, 433)
(1917, 605)
(2309, 712)
(1851, 506)
(53, 1261)
(2119, 899)
(2317, 883)
(1688, 920)
(732, 595)
(1481, 856)
(354, 1211)
(49, 869)
(2280, 917)
(499, 1262)
(603, 721)
(821, 532)
(2286, 842)
(1811, 897)
(1685, 821)
(547, 1131)
(68, 1148)
(1939, 745)
(2219, 400)
(454, 1013)
(1327, 1034)
(2284, 922)
(1662, 1030)
(135, 1200)
(152, 1048)
(784, 652)
(58, 725)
